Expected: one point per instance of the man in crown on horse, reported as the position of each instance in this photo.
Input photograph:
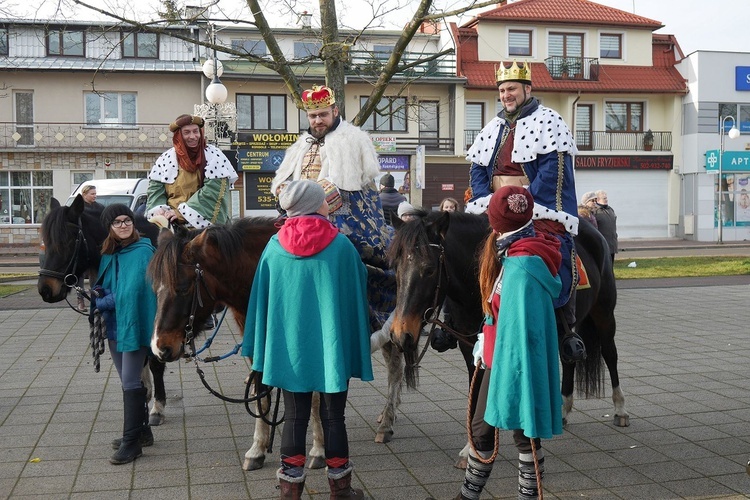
(342, 159)
(530, 145)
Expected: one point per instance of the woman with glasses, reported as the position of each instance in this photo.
(127, 303)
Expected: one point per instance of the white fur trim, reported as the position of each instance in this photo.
(166, 168)
(192, 217)
(542, 132)
(348, 159)
(153, 211)
(570, 222)
(478, 206)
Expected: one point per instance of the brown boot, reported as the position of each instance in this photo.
(342, 487)
(290, 488)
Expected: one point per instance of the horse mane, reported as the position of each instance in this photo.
(235, 238)
(55, 233)
(410, 238)
(232, 241)
(166, 260)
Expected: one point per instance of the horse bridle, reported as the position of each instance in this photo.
(69, 278)
(196, 302)
(432, 314)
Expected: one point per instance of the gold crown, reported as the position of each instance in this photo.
(318, 97)
(514, 73)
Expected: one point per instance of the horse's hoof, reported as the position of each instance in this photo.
(155, 419)
(565, 422)
(379, 419)
(622, 420)
(461, 463)
(316, 462)
(383, 437)
(253, 463)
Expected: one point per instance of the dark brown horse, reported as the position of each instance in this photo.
(436, 260)
(72, 240)
(193, 271)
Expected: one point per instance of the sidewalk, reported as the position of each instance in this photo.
(684, 363)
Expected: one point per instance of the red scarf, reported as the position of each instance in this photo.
(190, 159)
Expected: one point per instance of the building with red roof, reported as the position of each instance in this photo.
(612, 79)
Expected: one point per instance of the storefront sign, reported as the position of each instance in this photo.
(258, 192)
(262, 152)
(447, 187)
(735, 161)
(394, 162)
(384, 144)
(664, 162)
(742, 78)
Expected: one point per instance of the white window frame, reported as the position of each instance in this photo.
(103, 120)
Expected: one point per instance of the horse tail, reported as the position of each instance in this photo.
(590, 372)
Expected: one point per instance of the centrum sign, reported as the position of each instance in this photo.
(736, 161)
(262, 152)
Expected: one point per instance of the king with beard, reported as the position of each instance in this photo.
(189, 183)
(342, 158)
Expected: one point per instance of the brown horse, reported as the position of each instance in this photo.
(193, 271)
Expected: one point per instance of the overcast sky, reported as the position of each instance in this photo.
(697, 24)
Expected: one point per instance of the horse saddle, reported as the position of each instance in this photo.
(583, 277)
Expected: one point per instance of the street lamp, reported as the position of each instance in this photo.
(216, 92)
(733, 134)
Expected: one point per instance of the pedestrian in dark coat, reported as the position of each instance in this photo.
(606, 221)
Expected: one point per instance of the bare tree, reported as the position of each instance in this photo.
(334, 51)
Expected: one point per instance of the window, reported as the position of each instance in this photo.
(24, 196)
(3, 41)
(304, 123)
(66, 43)
(24, 118)
(519, 43)
(474, 116)
(382, 52)
(740, 112)
(142, 45)
(389, 115)
(306, 49)
(254, 47)
(261, 112)
(566, 44)
(624, 116)
(110, 108)
(610, 46)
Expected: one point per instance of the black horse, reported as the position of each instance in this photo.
(436, 261)
(72, 240)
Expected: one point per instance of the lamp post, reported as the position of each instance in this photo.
(216, 92)
(733, 134)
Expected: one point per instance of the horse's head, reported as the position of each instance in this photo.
(184, 302)
(71, 239)
(416, 254)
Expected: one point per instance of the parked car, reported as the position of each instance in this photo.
(130, 192)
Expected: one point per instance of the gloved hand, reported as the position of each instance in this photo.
(479, 350)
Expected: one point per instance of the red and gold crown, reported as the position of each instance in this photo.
(318, 97)
(515, 73)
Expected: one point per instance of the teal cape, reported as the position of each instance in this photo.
(524, 390)
(307, 325)
(124, 274)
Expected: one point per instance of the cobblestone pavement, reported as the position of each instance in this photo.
(684, 367)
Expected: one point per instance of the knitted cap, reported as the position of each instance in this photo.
(302, 198)
(405, 208)
(511, 207)
(387, 181)
(111, 212)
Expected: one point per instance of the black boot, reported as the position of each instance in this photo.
(146, 438)
(130, 447)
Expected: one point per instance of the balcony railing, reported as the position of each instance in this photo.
(80, 136)
(573, 68)
(621, 141)
(606, 141)
(365, 63)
